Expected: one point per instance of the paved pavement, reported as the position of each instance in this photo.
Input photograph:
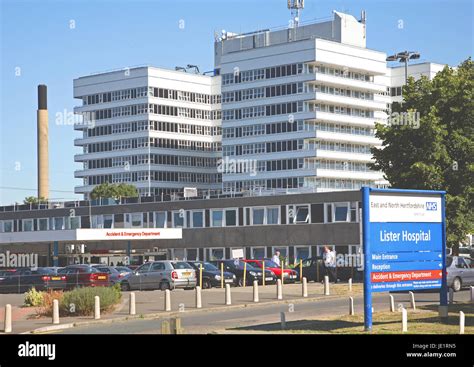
(221, 321)
(214, 315)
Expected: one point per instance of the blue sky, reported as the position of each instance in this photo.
(38, 45)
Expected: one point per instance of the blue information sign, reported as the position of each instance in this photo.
(404, 243)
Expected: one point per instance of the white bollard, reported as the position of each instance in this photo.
(472, 294)
(404, 320)
(55, 311)
(305, 287)
(8, 319)
(198, 297)
(279, 290)
(350, 284)
(283, 320)
(228, 300)
(167, 300)
(351, 306)
(326, 285)
(451, 296)
(462, 322)
(412, 300)
(96, 308)
(392, 304)
(255, 291)
(131, 305)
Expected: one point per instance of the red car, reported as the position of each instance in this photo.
(84, 276)
(289, 275)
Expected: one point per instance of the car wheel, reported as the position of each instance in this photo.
(125, 286)
(457, 284)
(164, 286)
(206, 284)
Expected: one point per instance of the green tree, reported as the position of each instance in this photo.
(34, 200)
(114, 191)
(436, 150)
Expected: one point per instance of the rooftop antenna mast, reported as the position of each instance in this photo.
(295, 7)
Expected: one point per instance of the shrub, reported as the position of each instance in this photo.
(47, 304)
(81, 301)
(33, 298)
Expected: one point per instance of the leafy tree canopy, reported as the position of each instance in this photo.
(113, 191)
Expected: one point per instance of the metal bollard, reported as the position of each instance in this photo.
(462, 322)
(412, 300)
(350, 284)
(8, 319)
(392, 304)
(55, 311)
(326, 285)
(404, 320)
(305, 287)
(176, 326)
(279, 290)
(283, 320)
(131, 306)
(167, 300)
(228, 300)
(96, 308)
(255, 291)
(198, 297)
(165, 327)
(351, 306)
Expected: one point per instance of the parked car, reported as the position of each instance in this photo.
(236, 267)
(211, 275)
(289, 275)
(114, 275)
(466, 252)
(84, 276)
(460, 272)
(14, 280)
(163, 274)
(123, 270)
(46, 278)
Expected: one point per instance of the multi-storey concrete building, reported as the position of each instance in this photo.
(157, 129)
(299, 106)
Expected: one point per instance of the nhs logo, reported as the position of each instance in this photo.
(431, 205)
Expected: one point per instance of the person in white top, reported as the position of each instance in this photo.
(329, 261)
(276, 258)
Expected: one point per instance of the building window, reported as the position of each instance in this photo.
(160, 219)
(298, 214)
(134, 220)
(217, 218)
(216, 254)
(283, 252)
(192, 254)
(341, 212)
(258, 216)
(302, 253)
(73, 222)
(178, 219)
(230, 217)
(58, 223)
(6, 226)
(197, 219)
(257, 252)
(42, 224)
(27, 225)
(273, 215)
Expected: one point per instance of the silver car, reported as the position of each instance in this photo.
(460, 272)
(165, 274)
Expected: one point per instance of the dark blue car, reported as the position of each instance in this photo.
(211, 275)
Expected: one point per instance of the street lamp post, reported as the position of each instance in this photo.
(404, 56)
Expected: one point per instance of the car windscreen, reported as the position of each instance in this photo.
(44, 271)
(123, 269)
(239, 264)
(181, 265)
(271, 264)
(209, 267)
